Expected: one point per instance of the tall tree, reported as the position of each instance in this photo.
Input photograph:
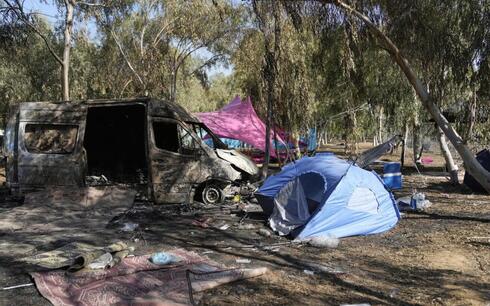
(16, 8)
(471, 164)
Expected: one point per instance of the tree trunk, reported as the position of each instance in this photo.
(473, 167)
(69, 4)
(404, 144)
(269, 72)
(173, 86)
(416, 142)
(270, 97)
(380, 125)
(297, 148)
(452, 168)
(470, 118)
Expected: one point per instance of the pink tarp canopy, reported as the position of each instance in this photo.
(238, 120)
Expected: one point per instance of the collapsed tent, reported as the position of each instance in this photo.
(483, 157)
(323, 195)
(238, 120)
(369, 156)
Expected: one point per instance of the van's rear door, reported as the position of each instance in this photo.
(50, 144)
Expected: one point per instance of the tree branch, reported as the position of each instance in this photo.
(92, 4)
(125, 57)
(19, 12)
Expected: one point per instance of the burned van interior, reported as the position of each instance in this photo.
(115, 143)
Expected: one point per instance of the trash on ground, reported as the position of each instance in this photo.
(324, 241)
(309, 272)
(100, 263)
(247, 226)
(323, 268)
(224, 227)
(415, 202)
(18, 286)
(264, 232)
(243, 260)
(163, 258)
(129, 227)
(85, 259)
(394, 292)
(74, 255)
(202, 222)
(94, 180)
(136, 276)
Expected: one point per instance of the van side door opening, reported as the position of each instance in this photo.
(115, 143)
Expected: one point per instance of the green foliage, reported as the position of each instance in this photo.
(329, 72)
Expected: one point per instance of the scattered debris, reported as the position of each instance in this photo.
(94, 180)
(322, 268)
(202, 222)
(129, 227)
(394, 292)
(136, 276)
(415, 202)
(100, 263)
(324, 241)
(224, 227)
(309, 272)
(18, 286)
(163, 258)
(247, 226)
(243, 260)
(264, 232)
(478, 238)
(77, 256)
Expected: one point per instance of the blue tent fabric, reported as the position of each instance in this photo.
(312, 139)
(342, 199)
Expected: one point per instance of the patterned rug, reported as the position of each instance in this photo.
(137, 281)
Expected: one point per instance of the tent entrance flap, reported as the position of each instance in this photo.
(296, 201)
(115, 143)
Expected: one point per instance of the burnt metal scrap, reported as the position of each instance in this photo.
(154, 145)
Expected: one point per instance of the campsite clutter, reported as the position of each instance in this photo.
(304, 190)
(108, 243)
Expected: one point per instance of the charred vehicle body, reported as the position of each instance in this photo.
(150, 143)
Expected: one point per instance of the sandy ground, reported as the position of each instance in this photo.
(432, 257)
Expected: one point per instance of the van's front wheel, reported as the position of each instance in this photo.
(212, 195)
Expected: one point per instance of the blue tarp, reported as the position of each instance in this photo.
(326, 195)
(312, 139)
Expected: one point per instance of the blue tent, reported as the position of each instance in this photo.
(326, 195)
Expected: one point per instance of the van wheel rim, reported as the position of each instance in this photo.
(212, 195)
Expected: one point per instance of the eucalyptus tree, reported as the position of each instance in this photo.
(155, 39)
(471, 164)
(17, 13)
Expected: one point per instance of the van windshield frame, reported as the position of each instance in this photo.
(197, 127)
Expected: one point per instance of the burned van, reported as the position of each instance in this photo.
(144, 142)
